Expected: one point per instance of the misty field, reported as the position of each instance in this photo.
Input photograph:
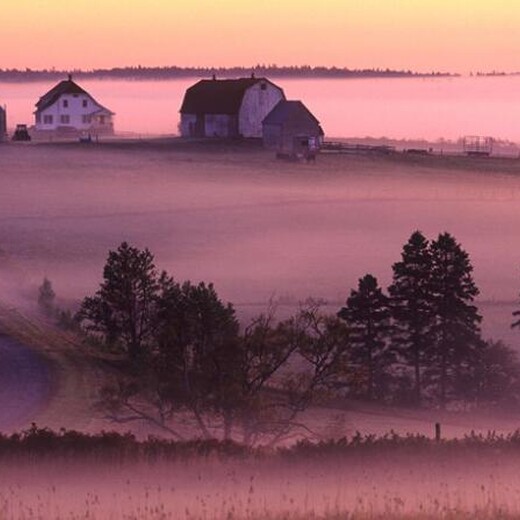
(457, 483)
(256, 227)
(260, 229)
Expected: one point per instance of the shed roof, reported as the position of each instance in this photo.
(217, 96)
(66, 86)
(288, 110)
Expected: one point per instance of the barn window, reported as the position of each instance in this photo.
(65, 103)
(263, 86)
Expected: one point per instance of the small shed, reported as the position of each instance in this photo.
(3, 124)
(292, 130)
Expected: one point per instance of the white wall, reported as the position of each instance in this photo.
(257, 103)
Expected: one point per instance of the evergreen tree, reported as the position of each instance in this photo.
(516, 323)
(46, 296)
(411, 307)
(456, 329)
(368, 317)
(123, 309)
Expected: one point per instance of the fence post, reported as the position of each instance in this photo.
(437, 432)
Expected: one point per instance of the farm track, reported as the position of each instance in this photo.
(43, 376)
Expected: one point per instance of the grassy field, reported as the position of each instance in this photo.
(405, 479)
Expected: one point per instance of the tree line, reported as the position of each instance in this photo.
(173, 72)
(184, 358)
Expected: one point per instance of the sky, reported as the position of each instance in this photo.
(423, 35)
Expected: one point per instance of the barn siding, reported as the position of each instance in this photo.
(281, 137)
(187, 126)
(220, 125)
(272, 136)
(256, 104)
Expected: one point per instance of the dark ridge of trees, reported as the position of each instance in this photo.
(185, 360)
(173, 72)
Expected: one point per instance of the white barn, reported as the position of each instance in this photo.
(228, 107)
(67, 108)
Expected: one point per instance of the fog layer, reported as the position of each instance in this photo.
(255, 227)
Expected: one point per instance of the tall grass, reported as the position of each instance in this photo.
(70, 475)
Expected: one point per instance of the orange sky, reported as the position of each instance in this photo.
(456, 35)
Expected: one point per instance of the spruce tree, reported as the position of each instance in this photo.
(456, 328)
(46, 297)
(368, 317)
(516, 323)
(411, 307)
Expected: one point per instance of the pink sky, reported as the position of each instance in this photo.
(456, 35)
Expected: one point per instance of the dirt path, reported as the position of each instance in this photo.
(45, 377)
(25, 384)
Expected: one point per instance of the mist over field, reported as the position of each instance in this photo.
(257, 228)
(260, 230)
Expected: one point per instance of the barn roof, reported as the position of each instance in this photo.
(286, 111)
(63, 87)
(217, 96)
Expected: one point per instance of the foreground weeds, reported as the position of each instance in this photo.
(70, 475)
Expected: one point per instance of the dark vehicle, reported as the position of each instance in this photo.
(21, 133)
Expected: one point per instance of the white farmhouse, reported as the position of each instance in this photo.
(228, 107)
(67, 108)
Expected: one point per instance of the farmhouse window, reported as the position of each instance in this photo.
(64, 120)
(85, 103)
(263, 86)
(65, 103)
(86, 120)
(47, 120)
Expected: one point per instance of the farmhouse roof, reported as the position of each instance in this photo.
(63, 87)
(286, 111)
(217, 96)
